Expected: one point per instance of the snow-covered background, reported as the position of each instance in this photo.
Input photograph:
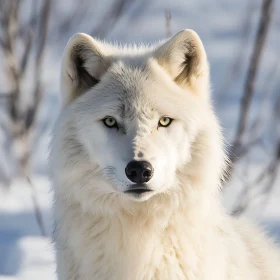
(24, 253)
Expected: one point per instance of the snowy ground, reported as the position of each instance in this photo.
(24, 254)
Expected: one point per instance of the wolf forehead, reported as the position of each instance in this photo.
(126, 84)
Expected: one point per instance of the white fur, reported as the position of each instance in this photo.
(177, 231)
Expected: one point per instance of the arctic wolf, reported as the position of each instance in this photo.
(137, 161)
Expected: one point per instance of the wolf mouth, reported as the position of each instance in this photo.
(138, 189)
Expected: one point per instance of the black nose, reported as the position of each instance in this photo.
(139, 171)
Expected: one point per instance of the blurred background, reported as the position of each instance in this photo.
(242, 39)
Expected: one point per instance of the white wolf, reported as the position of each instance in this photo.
(137, 160)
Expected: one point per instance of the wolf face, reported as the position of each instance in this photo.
(131, 116)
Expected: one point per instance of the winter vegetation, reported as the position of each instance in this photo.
(242, 41)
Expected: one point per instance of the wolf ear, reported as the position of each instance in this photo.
(84, 62)
(184, 58)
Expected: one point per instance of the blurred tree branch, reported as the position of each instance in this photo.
(239, 57)
(168, 18)
(110, 18)
(249, 136)
(261, 187)
(249, 86)
(22, 116)
(17, 42)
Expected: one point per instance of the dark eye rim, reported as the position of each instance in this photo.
(160, 125)
(114, 126)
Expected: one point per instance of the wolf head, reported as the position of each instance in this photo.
(136, 120)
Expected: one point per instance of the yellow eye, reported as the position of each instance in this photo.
(110, 122)
(165, 121)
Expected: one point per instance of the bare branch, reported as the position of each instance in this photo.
(66, 22)
(28, 37)
(237, 61)
(249, 89)
(26, 53)
(269, 173)
(9, 20)
(168, 18)
(43, 28)
(111, 17)
(37, 209)
(2, 43)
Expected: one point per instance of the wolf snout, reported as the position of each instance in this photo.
(139, 171)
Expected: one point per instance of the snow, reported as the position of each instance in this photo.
(24, 253)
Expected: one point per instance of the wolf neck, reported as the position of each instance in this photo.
(125, 244)
(138, 240)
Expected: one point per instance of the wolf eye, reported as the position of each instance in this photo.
(110, 122)
(165, 121)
